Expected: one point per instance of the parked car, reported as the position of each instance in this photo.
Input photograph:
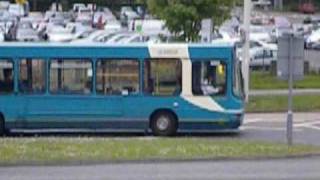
(2, 34)
(130, 38)
(261, 53)
(113, 26)
(315, 46)
(119, 36)
(259, 33)
(34, 18)
(96, 36)
(224, 37)
(84, 14)
(60, 34)
(17, 10)
(67, 34)
(127, 14)
(25, 32)
(4, 5)
(77, 6)
(148, 26)
(140, 38)
(314, 37)
(307, 8)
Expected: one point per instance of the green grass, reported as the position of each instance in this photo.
(261, 80)
(301, 103)
(64, 150)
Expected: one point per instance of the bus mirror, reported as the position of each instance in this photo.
(220, 69)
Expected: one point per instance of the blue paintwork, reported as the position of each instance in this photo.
(124, 112)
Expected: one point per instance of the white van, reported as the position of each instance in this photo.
(16, 10)
(4, 5)
(148, 26)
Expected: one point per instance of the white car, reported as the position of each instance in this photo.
(77, 6)
(16, 10)
(148, 26)
(97, 36)
(84, 14)
(118, 37)
(127, 15)
(1, 36)
(4, 5)
(25, 32)
(224, 37)
(138, 38)
(113, 26)
(60, 34)
(261, 53)
(313, 38)
(34, 18)
(259, 33)
(132, 38)
(261, 3)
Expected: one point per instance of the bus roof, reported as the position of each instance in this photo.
(100, 50)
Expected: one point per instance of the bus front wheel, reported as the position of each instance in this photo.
(164, 124)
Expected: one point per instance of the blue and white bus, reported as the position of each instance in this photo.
(158, 88)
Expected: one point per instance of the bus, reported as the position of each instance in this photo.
(161, 89)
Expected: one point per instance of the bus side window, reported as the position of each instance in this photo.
(117, 77)
(163, 77)
(6, 77)
(32, 76)
(71, 76)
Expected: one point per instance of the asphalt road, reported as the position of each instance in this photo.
(268, 127)
(272, 127)
(293, 169)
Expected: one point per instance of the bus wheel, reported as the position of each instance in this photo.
(2, 128)
(164, 124)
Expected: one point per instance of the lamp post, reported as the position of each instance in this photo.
(246, 50)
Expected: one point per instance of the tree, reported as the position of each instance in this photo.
(183, 17)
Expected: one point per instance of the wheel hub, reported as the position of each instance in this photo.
(163, 123)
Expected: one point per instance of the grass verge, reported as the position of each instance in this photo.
(301, 103)
(264, 80)
(63, 150)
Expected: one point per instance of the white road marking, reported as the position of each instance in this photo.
(300, 124)
(268, 128)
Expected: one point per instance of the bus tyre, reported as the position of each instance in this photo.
(2, 128)
(164, 124)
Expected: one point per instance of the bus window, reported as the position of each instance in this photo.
(117, 77)
(32, 76)
(71, 76)
(208, 78)
(163, 77)
(6, 77)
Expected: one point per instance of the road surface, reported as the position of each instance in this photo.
(269, 127)
(293, 169)
(272, 127)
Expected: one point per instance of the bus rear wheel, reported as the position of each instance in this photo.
(2, 127)
(164, 124)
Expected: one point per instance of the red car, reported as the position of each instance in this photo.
(307, 8)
